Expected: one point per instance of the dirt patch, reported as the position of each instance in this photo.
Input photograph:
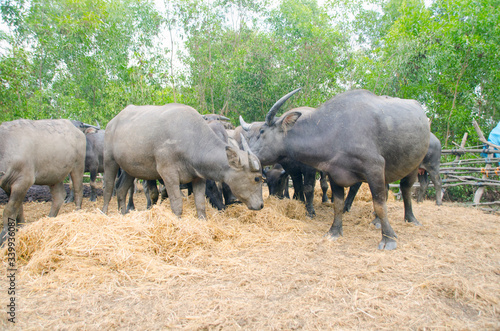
(256, 270)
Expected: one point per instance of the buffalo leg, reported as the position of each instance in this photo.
(423, 180)
(437, 185)
(151, 192)
(353, 190)
(199, 197)
(70, 197)
(376, 221)
(171, 181)
(77, 178)
(58, 192)
(324, 186)
(298, 187)
(406, 185)
(12, 208)
(379, 196)
(309, 182)
(110, 171)
(131, 191)
(93, 177)
(338, 203)
(126, 186)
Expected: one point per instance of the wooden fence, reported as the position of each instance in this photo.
(470, 168)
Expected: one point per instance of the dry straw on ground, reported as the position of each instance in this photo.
(256, 270)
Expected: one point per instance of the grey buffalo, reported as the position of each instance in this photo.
(277, 181)
(39, 152)
(428, 167)
(303, 176)
(174, 143)
(356, 136)
(94, 162)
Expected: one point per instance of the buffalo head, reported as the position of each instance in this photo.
(266, 138)
(245, 179)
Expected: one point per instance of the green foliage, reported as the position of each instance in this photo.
(67, 54)
(444, 56)
(462, 193)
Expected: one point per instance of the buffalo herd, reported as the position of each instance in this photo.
(355, 137)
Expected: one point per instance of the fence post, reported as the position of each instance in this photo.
(480, 190)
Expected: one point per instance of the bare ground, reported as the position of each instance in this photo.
(264, 270)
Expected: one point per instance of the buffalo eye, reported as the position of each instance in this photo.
(257, 179)
(261, 131)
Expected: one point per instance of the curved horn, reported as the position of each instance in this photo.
(224, 118)
(98, 125)
(244, 124)
(244, 143)
(274, 109)
(90, 126)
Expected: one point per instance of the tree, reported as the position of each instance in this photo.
(444, 56)
(74, 52)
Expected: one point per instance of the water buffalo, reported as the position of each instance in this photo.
(94, 163)
(225, 121)
(41, 152)
(173, 142)
(356, 136)
(430, 168)
(303, 176)
(216, 193)
(430, 164)
(277, 181)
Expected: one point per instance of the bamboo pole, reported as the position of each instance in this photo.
(480, 190)
(481, 136)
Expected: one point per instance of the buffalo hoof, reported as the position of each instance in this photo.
(413, 221)
(388, 244)
(311, 213)
(330, 237)
(334, 233)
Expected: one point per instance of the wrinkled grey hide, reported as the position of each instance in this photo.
(174, 143)
(356, 136)
(39, 152)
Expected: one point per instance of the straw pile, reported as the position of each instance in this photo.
(268, 269)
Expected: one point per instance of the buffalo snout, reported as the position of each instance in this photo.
(259, 207)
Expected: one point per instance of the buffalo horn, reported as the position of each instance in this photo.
(98, 125)
(274, 109)
(86, 126)
(244, 143)
(244, 124)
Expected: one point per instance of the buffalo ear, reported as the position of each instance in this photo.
(289, 120)
(233, 158)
